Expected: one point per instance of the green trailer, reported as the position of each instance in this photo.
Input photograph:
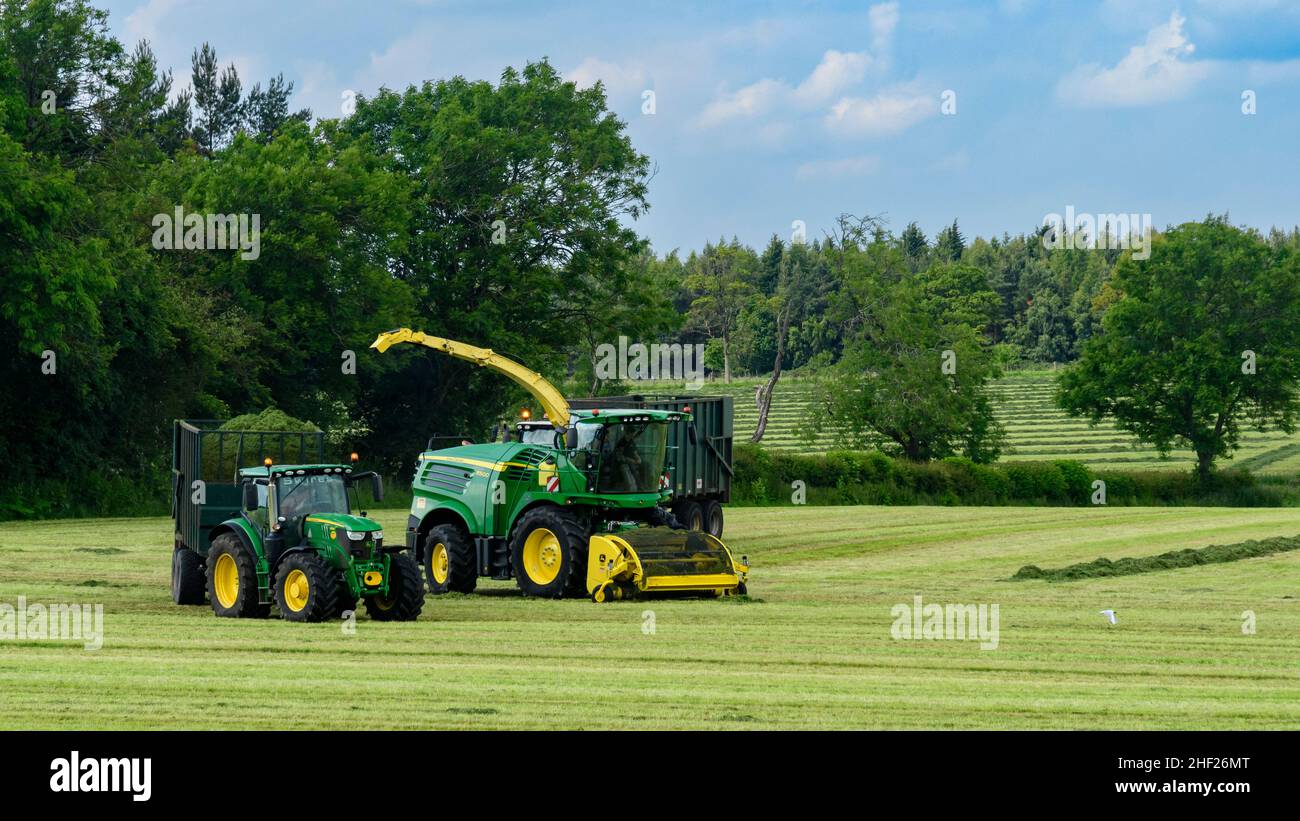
(262, 518)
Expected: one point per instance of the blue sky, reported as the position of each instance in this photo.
(771, 112)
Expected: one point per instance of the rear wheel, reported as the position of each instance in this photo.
(549, 553)
(189, 581)
(691, 515)
(449, 561)
(306, 589)
(405, 597)
(232, 580)
(713, 518)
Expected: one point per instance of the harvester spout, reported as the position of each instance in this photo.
(552, 401)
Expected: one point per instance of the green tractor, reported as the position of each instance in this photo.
(283, 534)
(574, 511)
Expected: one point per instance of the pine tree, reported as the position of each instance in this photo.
(915, 247)
(950, 244)
(216, 94)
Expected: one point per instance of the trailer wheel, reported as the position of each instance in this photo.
(232, 580)
(449, 561)
(189, 580)
(713, 520)
(306, 589)
(405, 597)
(548, 552)
(690, 514)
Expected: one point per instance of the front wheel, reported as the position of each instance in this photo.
(549, 553)
(405, 597)
(449, 561)
(306, 589)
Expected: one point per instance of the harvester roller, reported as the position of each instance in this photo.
(660, 560)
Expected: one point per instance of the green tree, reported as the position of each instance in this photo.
(1173, 364)
(949, 244)
(722, 276)
(915, 365)
(217, 97)
(521, 195)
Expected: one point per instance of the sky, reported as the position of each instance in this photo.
(761, 117)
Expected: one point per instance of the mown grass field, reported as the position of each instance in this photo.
(811, 649)
(1036, 428)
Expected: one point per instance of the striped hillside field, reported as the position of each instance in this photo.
(1023, 402)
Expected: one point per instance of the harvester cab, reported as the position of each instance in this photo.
(292, 535)
(571, 507)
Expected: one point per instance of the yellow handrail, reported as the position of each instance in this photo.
(552, 401)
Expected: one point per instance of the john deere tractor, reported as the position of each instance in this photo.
(577, 513)
(282, 534)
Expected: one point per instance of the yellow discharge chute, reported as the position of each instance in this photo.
(552, 401)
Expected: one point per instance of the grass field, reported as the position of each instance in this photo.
(811, 649)
(1036, 428)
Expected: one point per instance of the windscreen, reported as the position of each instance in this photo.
(304, 495)
(632, 457)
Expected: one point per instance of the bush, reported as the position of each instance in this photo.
(869, 477)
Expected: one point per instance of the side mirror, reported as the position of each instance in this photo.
(571, 437)
(377, 487)
(250, 496)
(692, 435)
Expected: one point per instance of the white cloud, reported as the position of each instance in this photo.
(885, 114)
(747, 103)
(836, 72)
(620, 79)
(838, 169)
(143, 23)
(884, 19)
(1155, 71)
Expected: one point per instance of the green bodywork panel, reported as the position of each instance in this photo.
(323, 531)
(490, 485)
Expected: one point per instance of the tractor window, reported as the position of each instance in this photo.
(537, 436)
(303, 495)
(632, 457)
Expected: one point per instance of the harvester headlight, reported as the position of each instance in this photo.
(357, 535)
(377, 534)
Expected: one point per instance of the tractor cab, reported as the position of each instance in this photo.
(284, 500)
(624, 450)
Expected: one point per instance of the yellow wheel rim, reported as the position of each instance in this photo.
(542, 553)
(441, 564)
(296, 590)
(225, 580)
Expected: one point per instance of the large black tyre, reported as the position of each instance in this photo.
(232, 580)
(713, 519)
(690, 514)
(450, 563)
(306, 588)
(189, 577)
(405, 597)
(548, 552)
